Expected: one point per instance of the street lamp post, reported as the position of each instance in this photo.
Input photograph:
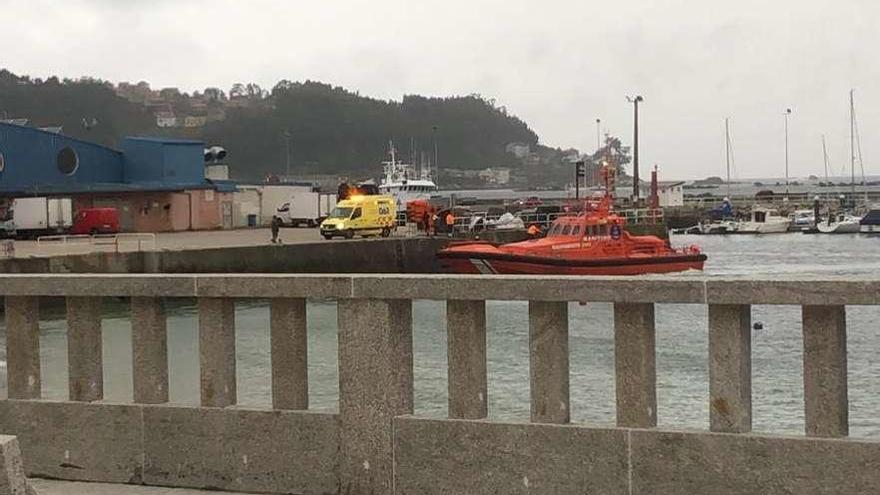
(598, 139)
(635, 101)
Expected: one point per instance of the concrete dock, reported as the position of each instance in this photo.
(59, 487)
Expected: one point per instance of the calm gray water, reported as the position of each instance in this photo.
(681, 346)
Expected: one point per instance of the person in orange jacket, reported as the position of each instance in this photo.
(450, 223)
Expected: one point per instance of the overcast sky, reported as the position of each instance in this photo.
(559, 65)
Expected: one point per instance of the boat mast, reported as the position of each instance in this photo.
(727, 151)
(825, 158)
(852, 145)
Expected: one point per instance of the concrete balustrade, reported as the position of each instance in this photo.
(23, 347)
(548, 362)
(289, 354)
(85, 361)
(826, 403)
(149, 349)
(635, 365)
(466, 352)
(217, 352)
(374, 444)
(730, 368)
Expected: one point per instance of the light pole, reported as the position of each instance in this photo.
(635, 101)
(598, 139)
(287, 151)
(786, 115)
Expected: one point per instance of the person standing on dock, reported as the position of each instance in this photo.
(427, 223)
(276, 228)
(450, 223)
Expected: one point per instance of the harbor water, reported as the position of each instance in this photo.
(682, 369)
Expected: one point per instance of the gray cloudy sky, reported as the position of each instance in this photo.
(557, 64)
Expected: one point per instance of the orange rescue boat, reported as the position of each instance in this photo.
(576, 245)
(593, 242)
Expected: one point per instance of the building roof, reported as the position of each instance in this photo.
(55, 135)
(163, 140)
(110, 187)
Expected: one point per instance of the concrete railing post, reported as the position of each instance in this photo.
(730, 368)
(217, 351)
(84, 349)
(375, 385)
(826, 403)
(23, 347)
(149, 349)
(548, 362)
(466, 351)
(289, 355)
(635, 365)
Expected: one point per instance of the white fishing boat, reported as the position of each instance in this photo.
(842, 223)
(405, 181)
(764, 221)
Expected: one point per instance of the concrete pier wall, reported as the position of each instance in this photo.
(410, 255)
(375, 445)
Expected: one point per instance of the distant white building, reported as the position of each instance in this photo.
(165, 119)
(519, 150)
(499, 176)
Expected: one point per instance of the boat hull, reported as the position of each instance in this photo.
(839, 228)
(510, 264)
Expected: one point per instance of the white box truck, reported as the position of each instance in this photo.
(307, 208)
(37, 216)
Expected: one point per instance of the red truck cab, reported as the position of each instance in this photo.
(96, 221)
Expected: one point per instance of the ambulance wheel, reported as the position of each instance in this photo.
(349, 234)
(386, 232)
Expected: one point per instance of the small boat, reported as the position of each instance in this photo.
(870, 223)
(764, 221)
(842, 223)
(593, 242)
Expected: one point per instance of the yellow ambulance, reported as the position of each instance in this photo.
(363, 215)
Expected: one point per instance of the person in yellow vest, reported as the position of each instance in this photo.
(450, 223)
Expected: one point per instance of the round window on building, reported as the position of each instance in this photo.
(68, 161)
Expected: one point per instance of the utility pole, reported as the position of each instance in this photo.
(635, 101)
(598, 138)
(786, 114)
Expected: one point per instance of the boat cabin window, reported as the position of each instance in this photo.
(555, 230)
(760, 216)
(603, 230)
(576, 230)
(566, 230)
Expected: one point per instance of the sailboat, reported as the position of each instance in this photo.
(846, 222)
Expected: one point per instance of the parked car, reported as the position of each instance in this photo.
(530, 202)
(96, 221)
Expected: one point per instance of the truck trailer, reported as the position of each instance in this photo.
(31, 217)
(307, 208)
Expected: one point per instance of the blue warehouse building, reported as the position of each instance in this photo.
(156, 184)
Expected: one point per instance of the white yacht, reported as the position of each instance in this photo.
(842, 223)
(764, 221)
(405, 181)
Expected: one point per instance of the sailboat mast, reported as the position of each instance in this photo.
(825, 158)
(852, 144)
(727, 151)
